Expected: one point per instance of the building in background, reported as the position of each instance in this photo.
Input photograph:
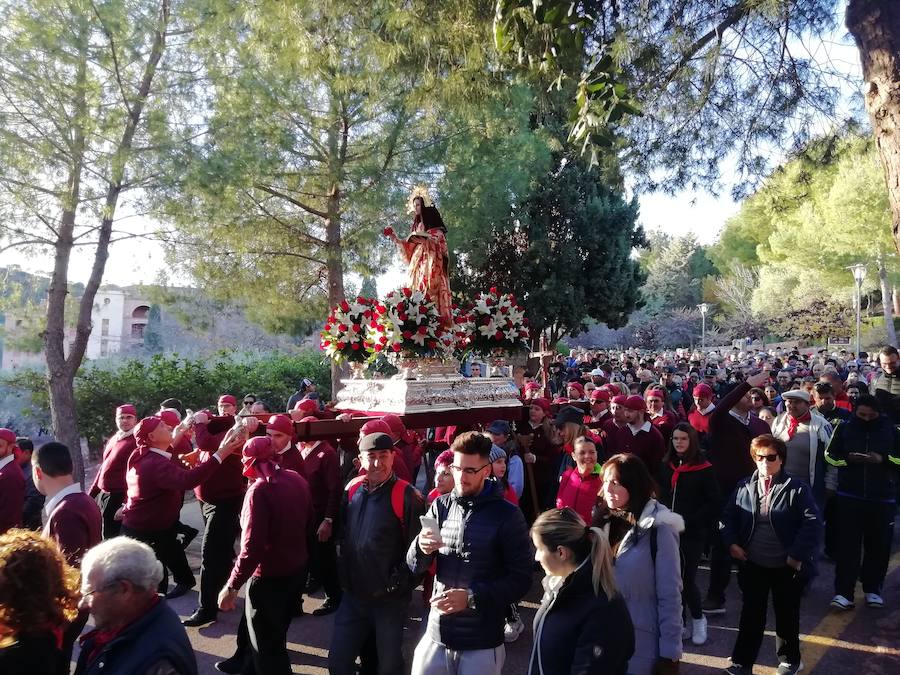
(119, 319)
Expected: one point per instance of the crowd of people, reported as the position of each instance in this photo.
(625, 469)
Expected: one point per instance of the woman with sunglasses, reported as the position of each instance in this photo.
(758, 400)
(772, 527)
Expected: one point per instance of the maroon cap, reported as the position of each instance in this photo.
(619, 399)
(577, 386)
(170, 417)
(226, 399)
(280, 423)
(530, 386)
(542, 403)
(703, 390)
(375, 427)
(635, 403)
(600, 395)
(144, 428)
(306, 405)
(126, 409)
(655, 391)
(8, 436)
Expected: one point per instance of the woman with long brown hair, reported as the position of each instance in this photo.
(644, 535)
(582, 625)
(688, 486)
(38, 600)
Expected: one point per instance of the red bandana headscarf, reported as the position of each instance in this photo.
(258, 460)
(794, 422)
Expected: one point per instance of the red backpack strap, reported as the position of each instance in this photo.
(353, 486)
(398, 491)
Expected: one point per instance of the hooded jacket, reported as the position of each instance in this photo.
(655, 606)
(578, 631)
(486, 550)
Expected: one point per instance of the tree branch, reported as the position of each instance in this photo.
(296, 202)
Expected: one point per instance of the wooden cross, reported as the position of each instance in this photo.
(544, 355)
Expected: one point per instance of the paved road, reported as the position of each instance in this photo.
(866, 641)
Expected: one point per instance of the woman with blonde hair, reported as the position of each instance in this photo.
(582, 625)
(38, 600)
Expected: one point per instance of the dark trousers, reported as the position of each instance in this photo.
(221, 525)
(720, 562)
(168, 551)
(829, 513)
(109, 503)
(865, 529)
(355, 621)
(691, 550)
(323, 566)
(269, 609)
(786, 587)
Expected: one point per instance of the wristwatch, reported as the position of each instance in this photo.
(470, 599)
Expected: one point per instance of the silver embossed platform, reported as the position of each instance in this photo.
(430, 393)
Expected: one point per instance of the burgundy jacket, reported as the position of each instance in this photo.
(293, 460)
(156, 488)
(322, 469)
(228, 483)
(274, 518)
(111, 476)
(12, 496)
(648, 445)
(75, 525)
(729, 441)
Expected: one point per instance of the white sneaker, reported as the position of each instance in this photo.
(512, 631)
(699, 630)
(842, 603)
(874, 600)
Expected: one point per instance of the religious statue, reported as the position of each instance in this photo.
(425, 252)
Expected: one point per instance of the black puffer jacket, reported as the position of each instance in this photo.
(373, 542)
(577, 631)
(486, 550)
(886, 389)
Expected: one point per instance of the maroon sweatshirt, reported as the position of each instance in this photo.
(729, 441)
(156, 488)
(229, 482)
(75, 525)
(274, 519)
(111, 477)
(648, 445)
(323, 472)
(12, 495)
(292, 459)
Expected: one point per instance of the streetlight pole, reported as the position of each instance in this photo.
(859, 275)
(704, 308)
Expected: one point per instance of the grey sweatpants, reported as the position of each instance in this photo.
(431, 658)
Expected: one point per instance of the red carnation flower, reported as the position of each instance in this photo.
(355, 346)
(396, 348)
(402, 316)
(504, 310)
(357, 327)
(382, 339)
(407, 334)
(367, 313)
(378, 348)
(423, 330)
(494, 290)
(499, 335)
(407, 292)
(344, 306)
(327, 326)
(454, 306)
(340, 346)
(486, 320)
(432, 344)
(489, 302)
(388, 231)
(373, 324)
(343, 328)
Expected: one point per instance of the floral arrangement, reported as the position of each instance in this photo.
(347, 334)
(407, 322)
(499, 326)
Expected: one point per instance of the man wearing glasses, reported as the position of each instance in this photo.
(484, 558)
(136, 630)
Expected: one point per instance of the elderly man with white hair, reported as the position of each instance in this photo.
(136, 633)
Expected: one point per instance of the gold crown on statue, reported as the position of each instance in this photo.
(418, 191)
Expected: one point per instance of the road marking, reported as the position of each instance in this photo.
(824, 635)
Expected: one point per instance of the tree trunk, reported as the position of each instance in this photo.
(886, 304)
(875, 26)
(896, 298)
(61, 369)
(60, 377)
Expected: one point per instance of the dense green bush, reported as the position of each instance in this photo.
(197, 382)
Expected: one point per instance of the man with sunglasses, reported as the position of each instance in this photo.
(483, 553)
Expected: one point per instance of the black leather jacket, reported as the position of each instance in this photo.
(486, 550)
(372, 541)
